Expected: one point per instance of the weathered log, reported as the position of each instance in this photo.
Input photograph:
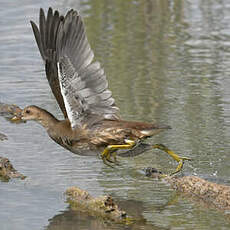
(7, 171)
(10, 112)
(102, 207)
(9, 109)
(215, 195)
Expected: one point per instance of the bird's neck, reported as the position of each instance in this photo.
(47, 120)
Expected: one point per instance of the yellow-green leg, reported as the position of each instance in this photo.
(111, 150)
(177, 158)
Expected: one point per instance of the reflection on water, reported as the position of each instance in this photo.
(69, 218)
(166, 61)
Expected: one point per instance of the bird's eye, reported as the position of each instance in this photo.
(27, 111)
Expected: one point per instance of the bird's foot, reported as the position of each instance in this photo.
(180, 165)
(107, 156)
(111, 152)
(176, 157)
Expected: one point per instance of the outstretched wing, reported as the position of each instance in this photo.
(79, 84)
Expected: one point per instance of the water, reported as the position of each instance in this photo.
(166, 61)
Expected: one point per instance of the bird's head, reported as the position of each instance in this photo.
(31, 112)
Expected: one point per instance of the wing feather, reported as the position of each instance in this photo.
(79, 84)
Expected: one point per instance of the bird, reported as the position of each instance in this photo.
(91, 119)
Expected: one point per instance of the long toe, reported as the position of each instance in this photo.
(185, 159)
(180, 165)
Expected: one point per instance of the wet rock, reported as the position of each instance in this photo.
(11, 112)
(9, 109)
(3, 137)
(7, 171)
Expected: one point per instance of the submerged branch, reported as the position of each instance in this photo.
(103, 207)
(215, 195)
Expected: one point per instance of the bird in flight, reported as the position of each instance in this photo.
(92, 123)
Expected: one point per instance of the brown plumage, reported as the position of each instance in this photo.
(92, 121)
(90, 138)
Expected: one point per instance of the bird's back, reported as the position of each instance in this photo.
(117, 131)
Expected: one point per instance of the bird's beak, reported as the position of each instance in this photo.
(18, 117)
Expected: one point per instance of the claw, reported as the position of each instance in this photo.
(110, 151)
(176, 157)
